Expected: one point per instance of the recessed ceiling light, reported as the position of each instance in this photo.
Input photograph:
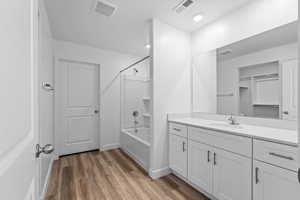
(148, 46)
(198, 18)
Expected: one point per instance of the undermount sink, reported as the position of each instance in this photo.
(225, 125)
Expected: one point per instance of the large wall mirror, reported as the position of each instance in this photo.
(257, 77)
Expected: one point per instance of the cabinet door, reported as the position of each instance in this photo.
(178, 154)
(232, 175)
(274, 183)
(200, 159)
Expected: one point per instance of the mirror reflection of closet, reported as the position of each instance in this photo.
(259, 90)
(257, 77)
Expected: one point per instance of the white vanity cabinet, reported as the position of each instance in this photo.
(275, 171)
(178, 154)
(232, 175)
(274, 183)
(225, 175)
(216, 168)
(228, 166)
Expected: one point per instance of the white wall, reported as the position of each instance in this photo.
(204, 85)
(110, 65)
(228, 71)
(46, 98)
(256, 17)
(171, 76)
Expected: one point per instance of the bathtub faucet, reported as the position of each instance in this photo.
(135, 124)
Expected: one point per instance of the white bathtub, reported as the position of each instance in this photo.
(137, 145)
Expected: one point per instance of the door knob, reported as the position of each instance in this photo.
(47, 149)
(96, 111)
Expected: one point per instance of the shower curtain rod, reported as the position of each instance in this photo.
(135, 63)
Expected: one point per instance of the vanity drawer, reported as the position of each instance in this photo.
(178, 129)
(277, 154)
(236, 144)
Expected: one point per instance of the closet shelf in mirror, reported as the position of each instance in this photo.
(265, 104)
(259, 76)
(146, 98)
(225, 95)
(146, 115)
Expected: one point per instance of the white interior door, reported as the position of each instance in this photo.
(77, 110)
(18, 86)
(290, 89)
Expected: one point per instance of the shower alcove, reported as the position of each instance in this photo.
(136, 116)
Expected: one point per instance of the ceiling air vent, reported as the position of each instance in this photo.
(183, 5)
(103, 7)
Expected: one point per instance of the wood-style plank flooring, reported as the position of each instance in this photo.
(111, 175)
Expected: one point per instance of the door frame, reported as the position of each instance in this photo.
(57, 61)
(35, 92)
(298, 128)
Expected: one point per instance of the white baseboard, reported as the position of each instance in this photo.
(109, 147)
(45, 187)
(158, 173)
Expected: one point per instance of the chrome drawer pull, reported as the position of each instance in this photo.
(183, 146)
(281, 156)
(176, 129)
(215, 159)
(208, 156)
(256, 175)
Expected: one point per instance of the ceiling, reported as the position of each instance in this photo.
(127, 30)
(279, 36)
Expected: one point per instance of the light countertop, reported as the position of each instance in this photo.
(282, 136)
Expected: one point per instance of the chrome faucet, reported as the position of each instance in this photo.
(232, 120)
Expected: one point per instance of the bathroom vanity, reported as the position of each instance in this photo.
(234, 162)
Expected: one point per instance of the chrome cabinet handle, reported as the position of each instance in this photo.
(176, 129)
(208, 156)
(281, 156)
(256, 175)
(215, 159)
(183, 146)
